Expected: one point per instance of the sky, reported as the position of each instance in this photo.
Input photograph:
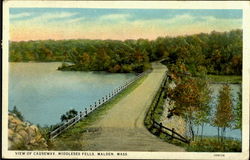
(90, 23)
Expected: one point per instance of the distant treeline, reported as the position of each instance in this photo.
(214, 53)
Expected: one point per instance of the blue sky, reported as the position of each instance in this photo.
(71, 23)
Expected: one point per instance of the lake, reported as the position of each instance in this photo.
(212, 131)
(43, 94)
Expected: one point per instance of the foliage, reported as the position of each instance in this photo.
(17, 113)
(45, 132)
(238, 112)
(70, 114)
(215, 53)
(191, 97)
(202, 115)
(224, 110)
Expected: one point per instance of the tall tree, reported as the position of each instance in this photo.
(238, 112)
(190, 100)
(202, 116)
(224, 111)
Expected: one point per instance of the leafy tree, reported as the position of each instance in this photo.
(191, 101)
(64, 118)
(202, 115)
(238, 112)
(224, 111)
(69, 114)
(214, 53)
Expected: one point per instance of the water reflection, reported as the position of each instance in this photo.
(43, 93)
(209, 130)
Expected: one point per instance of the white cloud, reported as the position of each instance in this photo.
(60, 15)
(43, 17)
(48, 20)
(20, 15)
(116, 17)
(76, 20)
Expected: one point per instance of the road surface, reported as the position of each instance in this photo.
(122, 127)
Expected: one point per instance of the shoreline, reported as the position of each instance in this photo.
(123, 123)
(98, 113)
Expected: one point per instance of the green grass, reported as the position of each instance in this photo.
(211, 144)
(224, 79)
(69, 140)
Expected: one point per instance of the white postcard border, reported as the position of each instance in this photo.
(131, 4)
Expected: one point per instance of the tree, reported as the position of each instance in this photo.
(215, 53)
(69, 114)
(85, 61)
(64, 118)
(238, 112)
(202, 116)
(190, 100)
(224, 111)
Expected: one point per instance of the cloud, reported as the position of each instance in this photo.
(117, 26)
(114, 17)
(41, 18)
(20, 15)
(60, 15)
(76, 20)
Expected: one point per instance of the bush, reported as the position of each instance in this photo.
(17, 113)
(70, 114)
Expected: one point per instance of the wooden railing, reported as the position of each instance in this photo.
(152, 124)
(82, 114)
(169, 132)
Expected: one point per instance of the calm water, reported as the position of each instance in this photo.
(43, 94)
(212, 131)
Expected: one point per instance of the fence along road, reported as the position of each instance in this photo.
(122, 127)
(65, 125)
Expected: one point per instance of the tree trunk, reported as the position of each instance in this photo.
(221, 135)
(191, 129)
(241, 134)
(218, 134)
(202, 130)
(198, 130)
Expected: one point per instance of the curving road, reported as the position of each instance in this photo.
(122, 128)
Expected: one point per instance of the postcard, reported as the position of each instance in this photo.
(126, 79)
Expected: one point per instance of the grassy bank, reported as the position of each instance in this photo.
(70, 139)
(155, 112)
(235, 79)
(211, 144)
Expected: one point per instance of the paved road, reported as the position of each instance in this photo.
(122, 128)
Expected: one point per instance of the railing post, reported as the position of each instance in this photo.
(160, 127)
(100, 101)
(172, 133)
